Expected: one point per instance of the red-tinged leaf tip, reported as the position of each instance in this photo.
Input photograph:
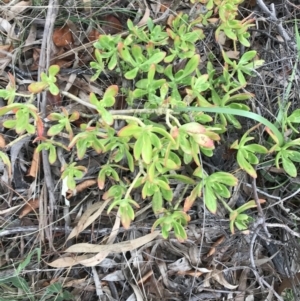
(125, 220)
(54, 69)
(203, 140)
(174, 132)
(113, 88)
(37, 87)
(101, 184)
(188, 203)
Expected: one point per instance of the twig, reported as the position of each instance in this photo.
(259, 209)
(285, 227)
(44, 63)
(272, 14)
(29, 230)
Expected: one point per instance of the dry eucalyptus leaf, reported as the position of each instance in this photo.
(66, 262)
(115, 276)
(103, 250)
(88, 217)
(31, 205)
(120, 247)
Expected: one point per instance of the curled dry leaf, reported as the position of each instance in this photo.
(218, 276)
(80, 187)
(145, 18)
(34, 168)
(30, 206)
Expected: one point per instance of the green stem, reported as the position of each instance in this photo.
(132, 185)
(226, 205)
(122, 117)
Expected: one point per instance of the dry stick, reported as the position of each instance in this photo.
(260, 212)
(44, 63)
(273, 17)
(285, 227)
(30, 230)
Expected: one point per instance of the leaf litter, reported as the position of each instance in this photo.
(210, 265)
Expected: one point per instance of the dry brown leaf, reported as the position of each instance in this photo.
(215, 244)
(100, 256)
(145, 18)
(105, 250)
(120, 247)
(10, 210)
(233, 54)
(31, 37)
(164, 6)
(80, 187)
(93, 35)
(66, 262)
(288, 283)
(88, 217)
(111, 25)
(213, 20)
(53, 100)
(242, 285)
(4, 49)
(115, 229)
(34, 168)
(170, 20)
(17, 9)
(218, 276)
(117, 275)
(62, 36)
(74, 282)
(94, 260)
(221, 38)
(30, 206)
(190, 273)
